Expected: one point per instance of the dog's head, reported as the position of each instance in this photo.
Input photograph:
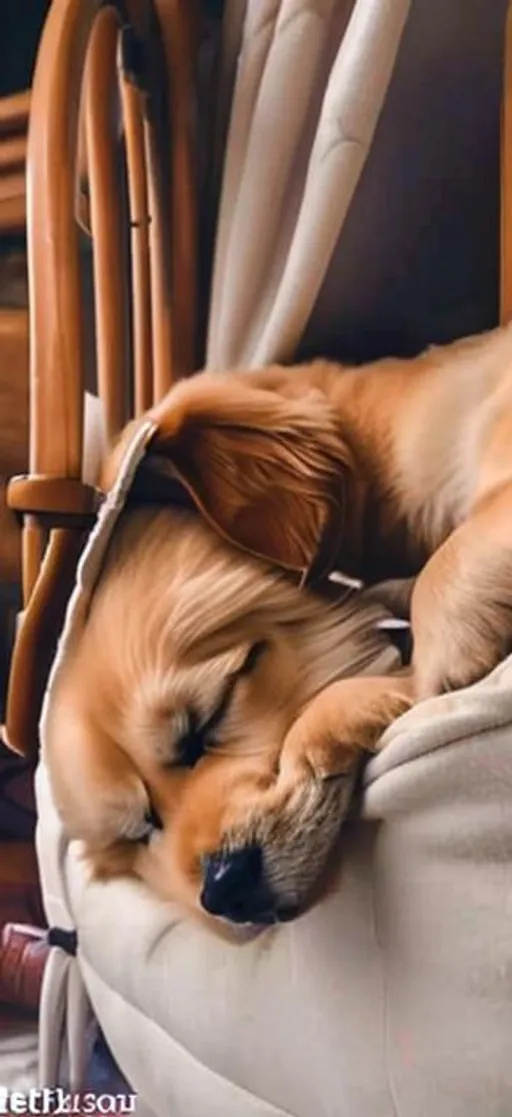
(168, 719)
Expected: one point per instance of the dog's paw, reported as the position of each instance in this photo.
(344, 721)
(455, 664)
(452, 650)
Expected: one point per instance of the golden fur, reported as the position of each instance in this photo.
(173, 620)
(399, 469)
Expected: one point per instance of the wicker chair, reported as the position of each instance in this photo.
(111, 153)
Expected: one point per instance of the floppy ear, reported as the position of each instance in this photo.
(268, 473)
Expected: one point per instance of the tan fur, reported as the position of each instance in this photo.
(424, 479)
(399, 469)
(174, 616)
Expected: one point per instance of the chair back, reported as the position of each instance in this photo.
(111, 179)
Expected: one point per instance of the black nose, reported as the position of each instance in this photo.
(234, 886)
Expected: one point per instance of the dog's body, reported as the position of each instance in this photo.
(431, 483)
(397, 469)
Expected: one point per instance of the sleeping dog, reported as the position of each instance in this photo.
(203, 735)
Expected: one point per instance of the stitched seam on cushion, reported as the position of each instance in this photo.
(276, 1112)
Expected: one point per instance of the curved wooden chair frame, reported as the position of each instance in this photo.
(114, 76)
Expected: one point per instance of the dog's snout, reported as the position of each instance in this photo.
(234, 887)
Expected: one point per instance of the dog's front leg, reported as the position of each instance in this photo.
(341, 723)
(461, 610)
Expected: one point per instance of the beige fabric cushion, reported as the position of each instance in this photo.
(311, 80)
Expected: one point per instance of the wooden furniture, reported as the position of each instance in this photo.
(14, 409)
(21, 26)
(13, 428)
(14, 113)
(111, 151)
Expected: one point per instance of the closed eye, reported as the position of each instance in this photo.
(193, 744)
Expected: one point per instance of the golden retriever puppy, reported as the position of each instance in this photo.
(396, 469)
(176, 746)
(206, 692)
